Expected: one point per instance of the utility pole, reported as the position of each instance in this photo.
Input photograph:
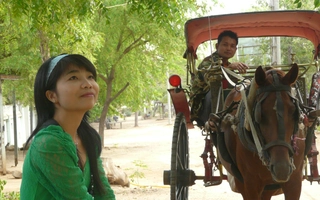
(275, 50)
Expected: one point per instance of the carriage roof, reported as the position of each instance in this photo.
(294, 23)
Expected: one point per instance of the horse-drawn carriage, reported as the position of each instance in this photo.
(263, 131)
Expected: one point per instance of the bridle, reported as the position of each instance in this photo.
(262, 93)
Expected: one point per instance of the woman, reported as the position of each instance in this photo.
(63, 161)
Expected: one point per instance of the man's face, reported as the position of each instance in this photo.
(227, 47)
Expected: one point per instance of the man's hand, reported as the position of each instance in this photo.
(241, 67)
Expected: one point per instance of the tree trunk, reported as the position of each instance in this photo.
(102, 121)
(44, 46)
(136, 119)
(101, 130)
(115, 174)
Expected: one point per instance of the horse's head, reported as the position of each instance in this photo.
(276, 116)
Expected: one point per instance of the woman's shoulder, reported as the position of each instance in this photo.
(53, 137)
(52, 132)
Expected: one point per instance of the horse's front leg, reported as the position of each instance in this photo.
(267, 194)
(292, 188)
(252, 189)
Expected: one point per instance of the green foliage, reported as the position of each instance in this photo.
(130, 42)
(166, 13)
(299, 3)
(139, 52)
(33, 38)
(45, 12)
(2, 184)
(8, 195)
(137, 173)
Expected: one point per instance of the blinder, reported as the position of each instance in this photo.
(276, 87)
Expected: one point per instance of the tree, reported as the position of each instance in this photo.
(299, 3)
(42, 29)
(139, 49)
(13, 62)
(141, 41)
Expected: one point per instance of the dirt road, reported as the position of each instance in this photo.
(144, 152)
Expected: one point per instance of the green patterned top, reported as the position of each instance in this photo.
(51, 172)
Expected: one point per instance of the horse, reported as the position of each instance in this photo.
(261, 140)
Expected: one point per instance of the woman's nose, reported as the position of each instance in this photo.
(87, 84)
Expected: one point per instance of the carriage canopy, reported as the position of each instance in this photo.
(290, 23)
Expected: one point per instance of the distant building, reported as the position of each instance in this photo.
(23, 128)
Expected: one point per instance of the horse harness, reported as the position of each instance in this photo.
(276, 87)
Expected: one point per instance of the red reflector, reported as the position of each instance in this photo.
(175, 80)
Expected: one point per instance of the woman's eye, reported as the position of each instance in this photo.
(91, 77)
(73, 78)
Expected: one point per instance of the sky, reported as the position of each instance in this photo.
(231, 6)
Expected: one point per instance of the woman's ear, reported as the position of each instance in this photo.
(51, 96)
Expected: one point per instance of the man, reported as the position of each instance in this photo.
(226, 48)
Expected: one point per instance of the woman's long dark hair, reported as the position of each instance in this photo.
(45, 109)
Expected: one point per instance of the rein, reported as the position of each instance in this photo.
(253, 128)
(242, 88)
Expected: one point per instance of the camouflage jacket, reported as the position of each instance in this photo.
(207, 61)
(198, 85)
(199, 88)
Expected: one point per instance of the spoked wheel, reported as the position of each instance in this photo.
(180, 173)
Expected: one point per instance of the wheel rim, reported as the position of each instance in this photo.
(179, 159)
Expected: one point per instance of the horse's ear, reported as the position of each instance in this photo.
(292, 75)
(260, 76)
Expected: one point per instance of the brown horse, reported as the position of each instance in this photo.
(272, 162)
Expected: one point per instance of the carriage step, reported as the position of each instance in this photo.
(212, 183)
(187, 178)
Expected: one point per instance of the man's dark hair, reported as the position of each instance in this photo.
(228, 33)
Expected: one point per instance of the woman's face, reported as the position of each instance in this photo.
(76, 90)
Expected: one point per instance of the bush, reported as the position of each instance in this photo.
(8, 195)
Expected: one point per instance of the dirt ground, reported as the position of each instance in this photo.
(143, 152)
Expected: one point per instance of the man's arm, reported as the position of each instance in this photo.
(241, 67)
